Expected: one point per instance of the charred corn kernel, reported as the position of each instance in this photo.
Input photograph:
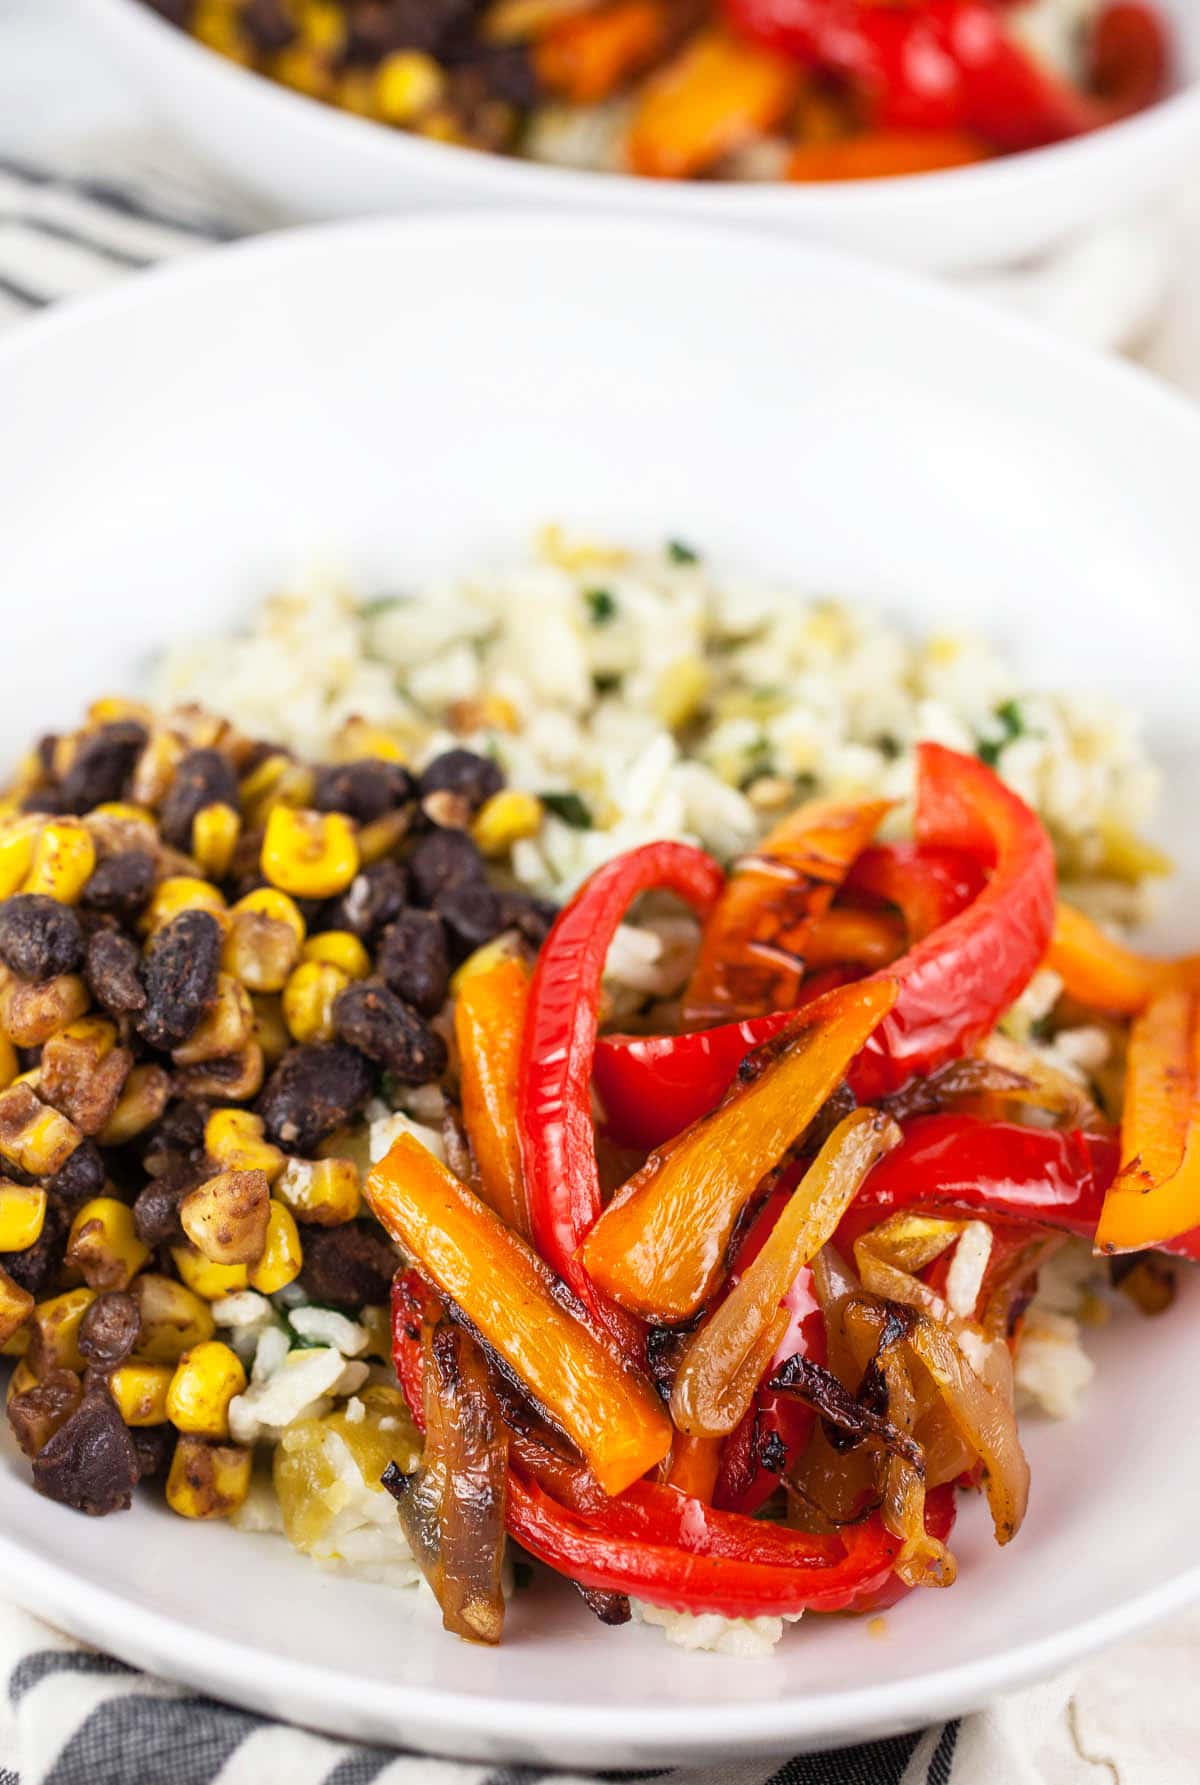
(358, 739)
(22, 1215)
(500, 948)
(17, 1342)
(282, 1255)
(407, 83)
(441, 126)
(234, 1078)
(142, 1101)
(215, 831)
(313, 855)
(234, 1139)
(681, 690)
(355, 92)
(18, 838)
(57, 1323)
(155, 768)
(172, 1317)
(308, 1000)
(16, 1305)
(9, 1064)
(104, 1244)
(324, 1192)
(215, 26)
(207, 1280)
(107, 708)
(21, 1380)
(34, 1137)
(224, 1029)
(205, 1381)
(181, 892)
(63, 858)
(120, 812)
(339, 948)
(505, 819)
(322, 27)
(140, 1390)
(305, 70)
(31, 1014)
(268, 901)
(380, 837)
(276, 781)
(260, 951)
(270, 1030)
(208, 1480)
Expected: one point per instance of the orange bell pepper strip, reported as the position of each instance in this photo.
(694, 1466)
(848, 937)
(727, 1358)
(587, 56)
(516, 1304)
(1155, 1197)
(1103, 973)
(661, 1245)
(489, 1026)
(883, 154)
(752, 951)
(717, 94)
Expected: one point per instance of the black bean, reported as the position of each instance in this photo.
(122, 883)
(179, 12)
(114, 973)
(46, 799)
(202, 778)
(385, 1029)
(312, 1091)
(474, 778)
(366, 789)
(39, 937)
(471, 913)
(102, 764)
(154, 1445)
(36, 1266)
(374, 897)
(90, 1462)
(109, 1330)
(442, 859)
(181, 1126)
(267, 25)
(503, 70)
(351, 1266)
(180, 974)
(530, 916)
(156, 1207)
(81, 1178)
(413, 961)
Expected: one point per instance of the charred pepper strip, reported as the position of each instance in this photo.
(558, 1144)
(489, 1026)
(660, 1246)
(515, 1303)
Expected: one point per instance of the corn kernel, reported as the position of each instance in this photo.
(406, 83)
(270, 1030)
(308, 1000)
(155, 768)
(181, 892)
(83, 1072)
(17, 1342)
(322, 27)
(358, 740)
(681, 691)
(381, 836)
(9, 1064)
(224, 1029)
(16, 1305)
(205, 1381)
(119, 812)
(505, 819)
(63, 858)
(232, 1079)
(215, 831)
(276, 781)
(140, 1391)
(104, 1244)
(33, 1137)
(106, 709)
(141, 1102)
(225, 1217)
(18, 838)
(303, 69)
(325, 1192)
(500, 948)
(209, 1281)
(57, 1323)
(208, 1480)
(233, 1138)
(22, 1215)
(32, 1013)
(484, 712)
(260, 951)
(173, 1318)
(313, 855)
(20, 1382)
(340, 948)
(282, 1255)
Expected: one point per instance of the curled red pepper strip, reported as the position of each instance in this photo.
(558, 1147)
(954, 985)
(928, 885)
(1043, 1177)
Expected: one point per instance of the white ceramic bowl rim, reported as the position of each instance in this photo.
(547, 183)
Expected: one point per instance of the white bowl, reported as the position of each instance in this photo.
(415, 397)
(314, 162)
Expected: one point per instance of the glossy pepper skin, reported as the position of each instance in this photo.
(1042, 1177)
(954, 984)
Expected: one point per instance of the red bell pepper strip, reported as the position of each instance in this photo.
(954, 985)
(1043, 1177)
(957, 65)
(927, 885)
(558, 1146)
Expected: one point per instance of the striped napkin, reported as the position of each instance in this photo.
(72, 1716)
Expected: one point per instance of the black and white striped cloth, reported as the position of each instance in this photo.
(71, 1716)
